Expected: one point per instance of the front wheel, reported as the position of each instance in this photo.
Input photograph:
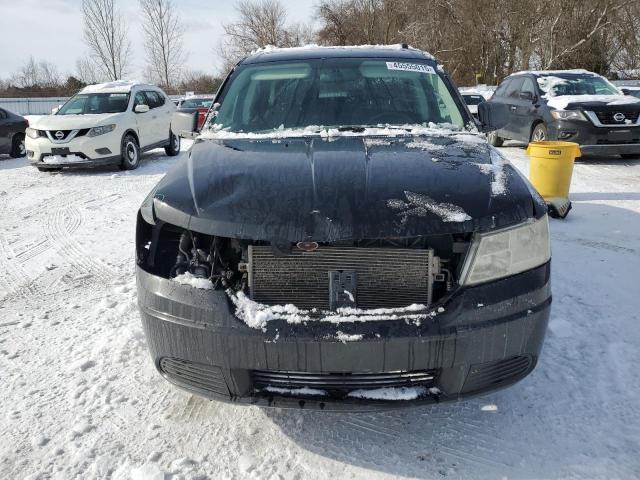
(17, 146)
(173, 148)
(130, 152)
(539, 133)
(494, 139)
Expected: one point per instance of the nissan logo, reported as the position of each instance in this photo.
(619, 117)
(60, 134)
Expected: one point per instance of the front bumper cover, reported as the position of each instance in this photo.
(595, 140)
(480, 326)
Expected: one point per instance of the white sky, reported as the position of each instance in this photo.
(52, 30)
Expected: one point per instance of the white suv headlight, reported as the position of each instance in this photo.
(32, 133)
(95, 131)
(507, 252)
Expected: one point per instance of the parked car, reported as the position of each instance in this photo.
(569, 105)
(341, 236)
(472, 99)
(12, 128)
(200, 104)
(106, 124)
(633, 91)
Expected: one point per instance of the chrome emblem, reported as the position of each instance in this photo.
(59, 135)
(307, 246)
(619, 117)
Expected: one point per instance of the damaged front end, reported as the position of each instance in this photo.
(349, 288)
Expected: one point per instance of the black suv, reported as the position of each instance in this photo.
(341, 236)
(12, 129)
(572, 105)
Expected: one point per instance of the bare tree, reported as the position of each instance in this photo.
(163, 40)
(106, 36)
(260, 23)
(87, 71)
(37, 74)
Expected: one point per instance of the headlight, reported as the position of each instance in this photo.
(95, 131)
(568, 115)
(32, 133)
(507, 252)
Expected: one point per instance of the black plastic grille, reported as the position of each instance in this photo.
(606, 116)
(491, 374)
(386, 277)
(190, 375)
(65, 132)
(342, 383)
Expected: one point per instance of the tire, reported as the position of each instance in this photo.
(539, 133)
(494, 139)
(130, 152)
(630, 156)
(17, 146)
(173, 148)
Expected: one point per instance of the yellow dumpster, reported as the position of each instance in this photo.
(550, 172)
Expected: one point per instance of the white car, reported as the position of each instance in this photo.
(106, 124)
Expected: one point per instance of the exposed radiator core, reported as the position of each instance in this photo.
(386, 277)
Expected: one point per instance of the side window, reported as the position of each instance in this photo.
(500, 91)
(528, 86)
(3, 114)
(155, 99)
(513, 90)
(140, 99)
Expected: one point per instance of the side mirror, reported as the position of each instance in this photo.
(527, 96)
(141, 109)
(55, 110)
(185, 124)
(484, 117)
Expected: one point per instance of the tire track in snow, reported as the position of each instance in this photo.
(70, 249)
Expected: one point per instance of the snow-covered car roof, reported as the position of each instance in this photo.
(117, 86)
(272, 54)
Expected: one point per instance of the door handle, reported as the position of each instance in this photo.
(513, 108)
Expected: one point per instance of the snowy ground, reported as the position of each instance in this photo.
(80, 398)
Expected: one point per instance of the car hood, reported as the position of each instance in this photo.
(343, 188)
(71, 122)
(594, 101)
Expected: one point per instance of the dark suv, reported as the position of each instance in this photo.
(341, 236)
(572, 105)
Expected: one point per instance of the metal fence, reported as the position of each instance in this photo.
(31, 106)
(40, 105)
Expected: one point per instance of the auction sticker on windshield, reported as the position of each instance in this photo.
(411, 67)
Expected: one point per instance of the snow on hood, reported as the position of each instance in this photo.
(469, 135)
(561, 102)
(421, 205)
(315, 46)
(71, 122)
(257, 315)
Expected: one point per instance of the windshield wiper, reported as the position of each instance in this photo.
(351, 128)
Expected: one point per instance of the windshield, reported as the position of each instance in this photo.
(557, 85)
(335, 93)
(95, 103)
(197, 103)
(473, 99)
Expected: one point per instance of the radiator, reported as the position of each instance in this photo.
(385, 277)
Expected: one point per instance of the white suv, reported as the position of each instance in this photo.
(106, 124)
